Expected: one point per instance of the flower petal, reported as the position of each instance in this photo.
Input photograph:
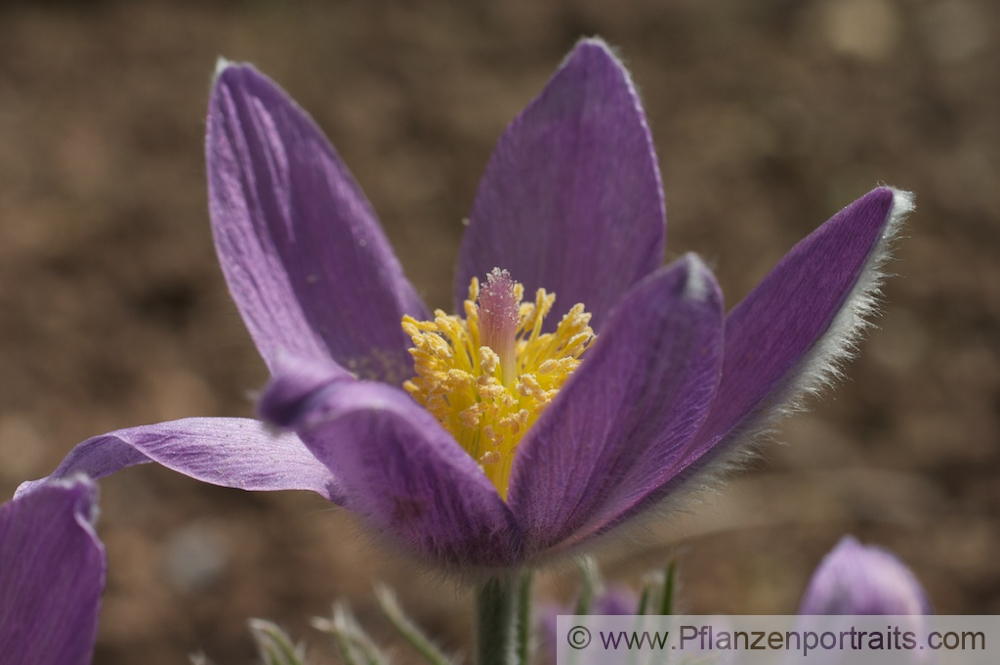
(621, 425)
(52, 574)
(288, 399)
(305, 259)
(405, 474)
(786, 337)
(571, 200)
(859, 579)
(231, 452)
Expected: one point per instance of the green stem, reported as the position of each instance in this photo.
(524, 617)
(496, 602)
(589, 583)
(669, 588)
(644, 599)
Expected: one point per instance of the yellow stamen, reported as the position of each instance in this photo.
(488, 377)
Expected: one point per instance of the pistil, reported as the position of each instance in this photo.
(499, 302)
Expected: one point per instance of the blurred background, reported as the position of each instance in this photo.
(768, 117)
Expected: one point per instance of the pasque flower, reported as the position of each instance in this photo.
(863, 579)
(579, 384)
(52, 569)
(855, 579)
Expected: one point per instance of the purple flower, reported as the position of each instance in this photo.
(51, 575)
(510, 431)
(855, 579)
(863, 579)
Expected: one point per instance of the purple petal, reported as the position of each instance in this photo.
(858, 579)
(405, 474)
(571, 200)
(621, 426)
(305, 259)
(231, 452)
(785, 338)
(289, 397)
(52, 575)
(615, 600)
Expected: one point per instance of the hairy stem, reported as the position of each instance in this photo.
(496, 616)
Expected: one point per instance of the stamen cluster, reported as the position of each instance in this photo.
(489, 376)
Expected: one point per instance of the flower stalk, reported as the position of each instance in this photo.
(496, 618)
(524, 617)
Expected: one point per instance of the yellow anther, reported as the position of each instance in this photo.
(488, 360)
(490, 390)
(548, 366)
(471, 416)
(489, 397)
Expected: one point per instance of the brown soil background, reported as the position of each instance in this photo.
(768, 117)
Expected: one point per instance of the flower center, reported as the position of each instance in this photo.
(488, 377)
